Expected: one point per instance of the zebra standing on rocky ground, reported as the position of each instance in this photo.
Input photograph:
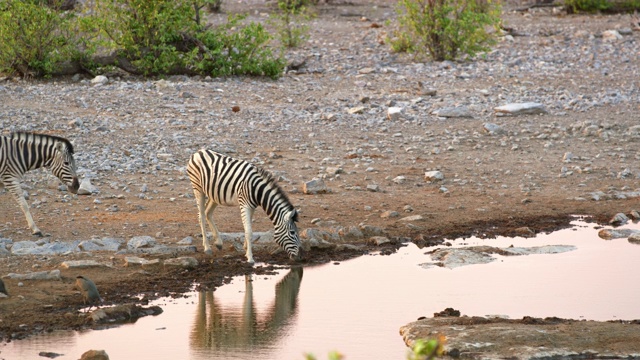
(24, 151)
(218, 179)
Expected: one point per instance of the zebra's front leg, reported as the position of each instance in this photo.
(17, 194)
(247, 215)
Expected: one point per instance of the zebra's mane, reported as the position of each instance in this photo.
(270, 179)
(30, 137)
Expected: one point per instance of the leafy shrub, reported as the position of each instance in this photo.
(290, 21)
(162, 37)
(140, 36)
(591, 6)
(424, 349)
(236, 51)
(34, 37)
(444, 29)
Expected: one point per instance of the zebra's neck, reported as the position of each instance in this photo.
(272, 199)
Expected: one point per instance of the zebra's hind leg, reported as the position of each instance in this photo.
(15, 189)
(247, 214)
(211, 205)
(200, 201)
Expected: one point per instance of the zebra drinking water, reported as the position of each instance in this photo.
(218, 179)
(24, 151)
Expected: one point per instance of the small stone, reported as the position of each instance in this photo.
(378, 240)
(356, 110)
(525, 231)
(186, 262)
(186, 241)
(332, 170)
(86, 188)
(429, 92)
(315, 186)
(373, 188)
(389, 214)
(619, 219)
(187, 95)
(100, 80)
(134, 261)
(634, 238)
(412, 218)
(95, 355)
(138, 242)
(451, 112)
(49, 354)
(433, 176)
(492, 128)
(394, 113)
(399, 179)
(610, 234)
(611, 35)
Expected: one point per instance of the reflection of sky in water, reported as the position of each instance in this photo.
(358, 306)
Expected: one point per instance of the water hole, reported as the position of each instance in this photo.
(357, 307)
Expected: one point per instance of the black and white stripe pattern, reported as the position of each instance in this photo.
(24, 151)
(218, 179)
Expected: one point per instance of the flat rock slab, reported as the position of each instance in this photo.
(472, 255)
(38, 275)
(80, 264)
(123, 313)
(529, 108)
(529, 338)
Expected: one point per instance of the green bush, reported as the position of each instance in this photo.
(591, 6)
(445, 29)
(162, 37)
(234, 50)
(430, 349)
(290, 21)
(34, 38)
(143, 37)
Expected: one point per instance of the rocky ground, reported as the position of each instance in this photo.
(330, 119)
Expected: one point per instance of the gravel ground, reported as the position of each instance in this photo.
(330, 119)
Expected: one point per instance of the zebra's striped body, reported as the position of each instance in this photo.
(24, 151)
(221, 180)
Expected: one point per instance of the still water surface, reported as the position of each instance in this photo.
(357, 306)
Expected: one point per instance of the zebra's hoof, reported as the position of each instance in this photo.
(219, 246)
(37, 233)
(208, 252)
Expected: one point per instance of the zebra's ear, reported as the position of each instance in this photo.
(293, 215)
(61, 147)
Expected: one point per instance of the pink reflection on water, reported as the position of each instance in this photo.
(358, 306)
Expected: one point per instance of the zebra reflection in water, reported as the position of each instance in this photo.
(222, 328)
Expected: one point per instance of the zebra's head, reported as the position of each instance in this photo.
(286, 235)
(63, 166)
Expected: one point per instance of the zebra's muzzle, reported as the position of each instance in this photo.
(299, 256)
(75, 185)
